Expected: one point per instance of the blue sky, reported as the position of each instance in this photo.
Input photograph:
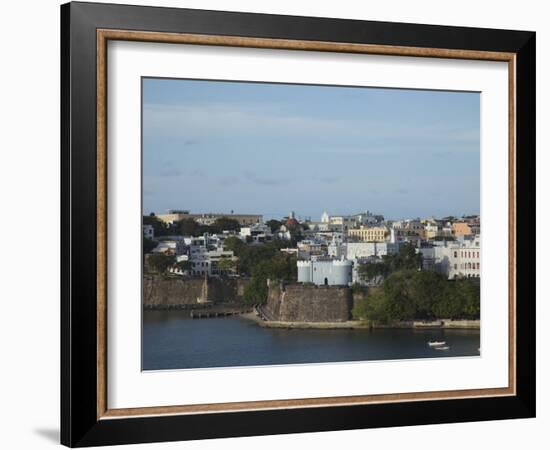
(212, 146)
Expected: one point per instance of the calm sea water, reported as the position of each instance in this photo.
(171, 340)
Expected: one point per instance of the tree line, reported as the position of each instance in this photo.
(420, 295)
(190, 227)
(260, 262)
(409, 293)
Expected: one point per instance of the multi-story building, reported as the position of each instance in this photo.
(357, 250)
(405, 228)
(212, 263)
(171, 247)
(368, 218)
(342, 223)
(431, 230)
(352, 221)
(462, 229)
(309, 248)
(319, 226)
(458, 259)
(256, 233)
(369, 234)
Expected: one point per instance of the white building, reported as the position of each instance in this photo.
(312, 247)
(356, 250)
(148, 231)
(283, 234)
(208, 263)
(256, 233)
(345, 222)
(319, 226)
(170, 247)
(367, 218)
(336, 249)
(459, 259)
(330, 272)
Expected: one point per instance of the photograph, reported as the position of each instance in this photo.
(284, 222)
(305, 224)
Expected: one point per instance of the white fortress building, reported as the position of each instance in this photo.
(332, 272)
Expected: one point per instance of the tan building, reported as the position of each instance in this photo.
(462, 229)
(209, 218)
(369, 234)
(407, 228)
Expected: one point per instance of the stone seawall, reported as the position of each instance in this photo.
(306, 303)
(177, 292)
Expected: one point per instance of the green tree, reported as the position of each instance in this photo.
(148, 245)
(405, 258)
(279, 267)
(398, 292)
(274, 225)
(410, 294)
(159, 227)
(377, 307)
(370, 271)
(226, 265)
(225, 224)
(233, 244)
(256, 291)
(428, 290)
(189, 227)
(160, 262)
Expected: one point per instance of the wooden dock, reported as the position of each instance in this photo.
(209, 313)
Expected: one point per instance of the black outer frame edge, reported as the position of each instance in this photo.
(526, 223)
(231, 23)
(79, 426)
(65, 334)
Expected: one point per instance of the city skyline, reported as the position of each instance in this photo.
(211, 146)
(317, 218)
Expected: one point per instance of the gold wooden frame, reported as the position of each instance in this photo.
(104, 35)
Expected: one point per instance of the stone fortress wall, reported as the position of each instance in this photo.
(161, 292)
(308, 303)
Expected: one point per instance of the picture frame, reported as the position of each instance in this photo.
(86, 418)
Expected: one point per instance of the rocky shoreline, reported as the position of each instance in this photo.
(358, 324)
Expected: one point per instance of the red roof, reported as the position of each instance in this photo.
(291, 222)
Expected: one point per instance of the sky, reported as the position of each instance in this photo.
(266, 148)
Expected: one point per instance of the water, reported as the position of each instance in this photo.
(171, 340)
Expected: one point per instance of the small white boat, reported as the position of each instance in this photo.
(436, 343)
(444, 347)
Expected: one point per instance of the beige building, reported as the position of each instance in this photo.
(209, 218)
(462, 229)
(369, 234)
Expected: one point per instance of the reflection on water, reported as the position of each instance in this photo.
(171, 340)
